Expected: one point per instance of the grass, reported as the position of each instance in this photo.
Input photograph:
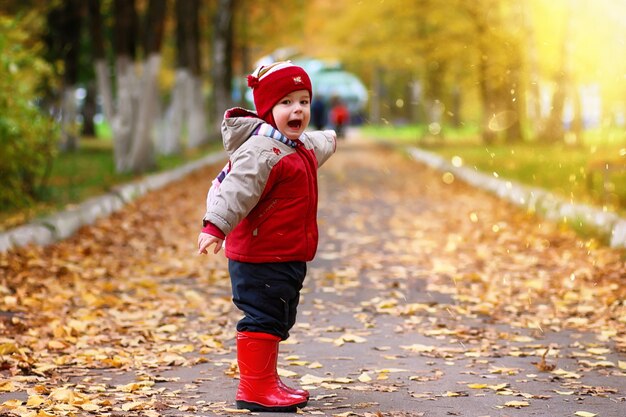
(87, 172)
(562, 169)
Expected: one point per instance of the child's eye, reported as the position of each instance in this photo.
(286, 101)
(304, 102)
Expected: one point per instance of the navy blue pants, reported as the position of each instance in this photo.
(268, 294)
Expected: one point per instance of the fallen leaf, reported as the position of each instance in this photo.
(364, 377)
(517, 404)
(543, 366)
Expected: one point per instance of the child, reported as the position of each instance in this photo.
(339, 116)
(267, 206)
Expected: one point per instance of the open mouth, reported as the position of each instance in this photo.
(294, 124)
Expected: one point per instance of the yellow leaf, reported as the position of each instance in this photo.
(56, 345)
(311, 379)
(599, 351)
(504, 371)
(517, 404)
(417, 348)
(135, 405)
(12, 404)
(285, 373)
(168, 328)
(565, 374)
(34, 401)
(349, 338)
(621, 364)
(505, 392)
(7, 386)
(182, 349)
(135, 386)
(477, 386)
(364, 377)
(522, 339)
(584, 414)
(8, 348)
(90, 407)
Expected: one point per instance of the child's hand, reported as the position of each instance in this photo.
(205, 240)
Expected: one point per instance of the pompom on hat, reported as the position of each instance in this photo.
(272, 82)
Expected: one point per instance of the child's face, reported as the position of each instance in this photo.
(292, 113)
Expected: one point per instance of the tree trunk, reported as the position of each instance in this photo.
(487, 97)
(534, 94)
(170, 141)
(514, 97)
(103, 74)
(123, 121)
(125, 113)
(89, 111)
(196, 120)
(574, 137)
(376, 96)
(187, 105)
(553, 130)
(222, 59)
(142, 155)
(485, 87)
(64, 43)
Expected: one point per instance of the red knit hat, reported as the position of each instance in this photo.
(272, 82)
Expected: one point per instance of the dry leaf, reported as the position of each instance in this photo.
(364, 377)
(543, 366)
(517, 404)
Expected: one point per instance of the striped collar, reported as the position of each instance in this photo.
(265, 129)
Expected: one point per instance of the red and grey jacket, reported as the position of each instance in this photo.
(267, 204)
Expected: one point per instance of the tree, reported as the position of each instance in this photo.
(187, 106)
(553, 130)
(132, 106)
(63, 39)
(28, 136)
(223, 57)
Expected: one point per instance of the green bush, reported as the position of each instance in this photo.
(28, 137)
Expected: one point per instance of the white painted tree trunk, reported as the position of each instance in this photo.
(196, 116)
(103, 79)
(170, 140)
(69, 111)
(186, 112)
(125, 113)
(142, 149)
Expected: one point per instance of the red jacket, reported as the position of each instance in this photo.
(267, 204)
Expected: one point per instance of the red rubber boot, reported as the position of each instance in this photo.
(259, 386)
(300, 392)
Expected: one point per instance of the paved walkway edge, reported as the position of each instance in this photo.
(536, 200)
(64, 224)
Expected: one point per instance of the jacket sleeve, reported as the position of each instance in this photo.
(324, 144)
(242, 188)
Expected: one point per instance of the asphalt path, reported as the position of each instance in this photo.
(427, 297)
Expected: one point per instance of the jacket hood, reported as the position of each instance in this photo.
(237, 127)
